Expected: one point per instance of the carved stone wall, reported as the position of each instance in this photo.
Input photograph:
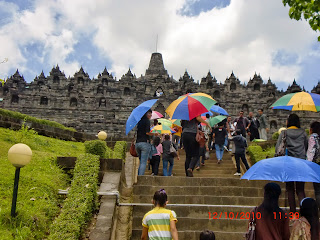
(91, 105)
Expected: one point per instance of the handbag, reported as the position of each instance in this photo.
(173, 151)
(251, 234)
(281, 150)
(133, 151)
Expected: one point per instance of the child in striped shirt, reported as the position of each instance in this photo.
(160, 223)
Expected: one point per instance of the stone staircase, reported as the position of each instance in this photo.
(213, 184)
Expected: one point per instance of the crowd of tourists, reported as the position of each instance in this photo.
(197, 138)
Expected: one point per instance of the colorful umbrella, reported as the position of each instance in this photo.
(215, 120)
(164, 121)
(156, 115)
(300, 101)
(190, 105)
(284, 169)
(162, 129)
(176, 122)
(218, 109)
(138, 113)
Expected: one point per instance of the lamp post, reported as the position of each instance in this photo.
(102, 135)
(19, 155)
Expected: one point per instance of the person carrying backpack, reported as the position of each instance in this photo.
(313, 154)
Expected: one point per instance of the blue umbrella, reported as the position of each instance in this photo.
(138, 113)
(284, 169)
(204, 114)
(220, 110)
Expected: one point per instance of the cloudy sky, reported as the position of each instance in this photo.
(244, 36)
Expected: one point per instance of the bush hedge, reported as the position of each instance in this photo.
(120, 150)
(96, 147)
(17, 115)
(275, 136)
(256, 153)
(81, 200)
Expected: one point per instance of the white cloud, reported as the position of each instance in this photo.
(241, 37)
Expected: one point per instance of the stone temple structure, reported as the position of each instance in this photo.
(91, 105)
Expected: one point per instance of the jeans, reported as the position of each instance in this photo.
(143, 150)
(244, 160)
(219, 151)
(167, 172)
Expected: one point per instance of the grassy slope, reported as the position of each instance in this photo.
(39, 182)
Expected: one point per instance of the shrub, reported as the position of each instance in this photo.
(275, 136)
(96, 147)
(308, 131)
(120, 150)
(256, 153)
(109, 153)
(17, 115)
(81, 201)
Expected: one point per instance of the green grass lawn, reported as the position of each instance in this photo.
(38, 201)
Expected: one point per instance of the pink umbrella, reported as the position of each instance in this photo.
(156, 115)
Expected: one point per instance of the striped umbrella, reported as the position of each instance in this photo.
(190, 106)
(300, 101)
(162, 129)
(176, 122)
(164, 121)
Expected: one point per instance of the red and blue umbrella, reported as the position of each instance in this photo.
(190, 106)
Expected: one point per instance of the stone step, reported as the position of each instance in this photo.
(205, 175)
(208, 163)
(185, 223)
(205, 190)
(208, 199)
(194, 235)
(196, 212)
(162, 181)
(203, 171)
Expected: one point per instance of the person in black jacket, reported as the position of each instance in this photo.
(241, 143)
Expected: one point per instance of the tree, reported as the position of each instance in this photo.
(308, 9)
